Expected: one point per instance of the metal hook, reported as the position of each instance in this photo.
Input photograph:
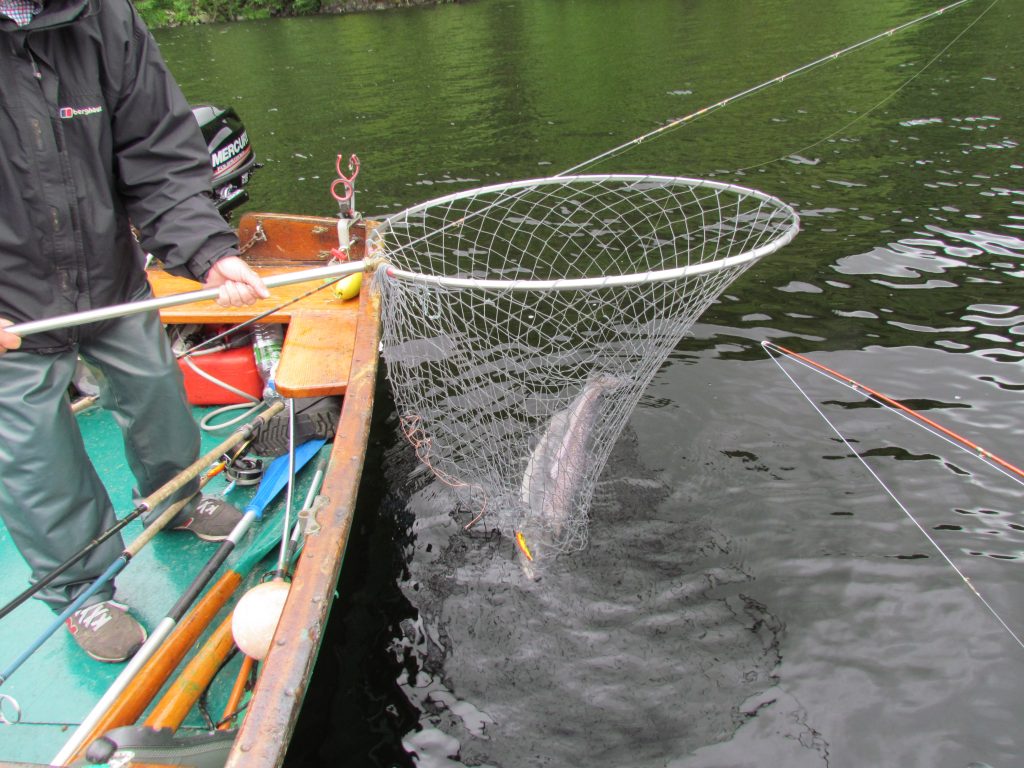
(4, 719)
(346, 201)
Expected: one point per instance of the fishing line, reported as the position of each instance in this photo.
(887, 98)
(369, 264)
(707, 110)
(251, 404)
(680, 121)
(1004, 467)
(262, 315)
(966, 580)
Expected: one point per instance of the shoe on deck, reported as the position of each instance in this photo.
(315, 417)
(211, 519)
(106, 631)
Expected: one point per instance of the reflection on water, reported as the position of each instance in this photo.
(751, 595)
(964, 260)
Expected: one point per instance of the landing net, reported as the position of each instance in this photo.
(522, 322)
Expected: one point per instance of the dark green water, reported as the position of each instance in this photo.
(751, 596)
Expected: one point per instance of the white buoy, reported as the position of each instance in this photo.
(255, 617)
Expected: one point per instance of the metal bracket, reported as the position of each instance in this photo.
(308, 516)
(10, 704)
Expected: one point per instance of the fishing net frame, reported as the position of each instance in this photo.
(521, 323)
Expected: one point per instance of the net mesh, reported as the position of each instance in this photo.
(522, 322)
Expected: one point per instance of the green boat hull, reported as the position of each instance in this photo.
(58, 686)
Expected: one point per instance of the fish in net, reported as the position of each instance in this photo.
(522, 322)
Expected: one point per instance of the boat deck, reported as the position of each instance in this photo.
(59, 684)
(330, 348)
(317, 352)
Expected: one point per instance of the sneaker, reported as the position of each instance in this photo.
(315, 417)
(106, 631)
(211, 519)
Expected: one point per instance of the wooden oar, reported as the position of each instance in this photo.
(274, 479)
(150, 502)
(133, 700)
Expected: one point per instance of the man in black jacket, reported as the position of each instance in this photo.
(96, 138)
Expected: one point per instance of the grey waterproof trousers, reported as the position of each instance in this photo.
(51, 499)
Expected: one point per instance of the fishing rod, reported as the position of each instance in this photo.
(864, 114)
(341, 270)
(207, 343)
(274, 480)
(192, 682)
(306, 521)
(129, 701)
(211, 345)
(195, 679)
(129, 552)
(240, 437)
(174, 508)
(1002, 465)
(680, 121)
(304, 525)
(930, 425)
(282, 561)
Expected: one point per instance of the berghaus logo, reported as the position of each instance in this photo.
(66, 113)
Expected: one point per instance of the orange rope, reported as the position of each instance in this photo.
(231, 708)
(412, 432)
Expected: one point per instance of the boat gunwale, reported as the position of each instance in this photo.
(273, 709)
(266, 731)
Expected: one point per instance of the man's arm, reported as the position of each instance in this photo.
(163, 166)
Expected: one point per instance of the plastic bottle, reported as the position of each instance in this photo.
(267, 339)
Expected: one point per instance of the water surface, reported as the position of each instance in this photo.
(751, 594)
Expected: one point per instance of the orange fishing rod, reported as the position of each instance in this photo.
(889, 402)
(195, 678)
(936, 429)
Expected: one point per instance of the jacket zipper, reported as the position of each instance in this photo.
(37, 129)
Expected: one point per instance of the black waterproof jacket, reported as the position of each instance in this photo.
(95, 136)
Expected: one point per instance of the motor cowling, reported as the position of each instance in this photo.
(231, 155)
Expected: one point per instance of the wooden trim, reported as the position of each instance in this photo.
(263, 738)
(317, 355)
(306, 240)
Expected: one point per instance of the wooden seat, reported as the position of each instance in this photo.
(317, 353)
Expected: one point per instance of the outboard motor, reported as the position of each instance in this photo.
(231, 155)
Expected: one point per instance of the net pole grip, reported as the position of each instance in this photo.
(136, 307)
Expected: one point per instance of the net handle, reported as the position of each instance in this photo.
(136, 307)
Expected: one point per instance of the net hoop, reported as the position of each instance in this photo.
(789, 226)
(521, 323)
